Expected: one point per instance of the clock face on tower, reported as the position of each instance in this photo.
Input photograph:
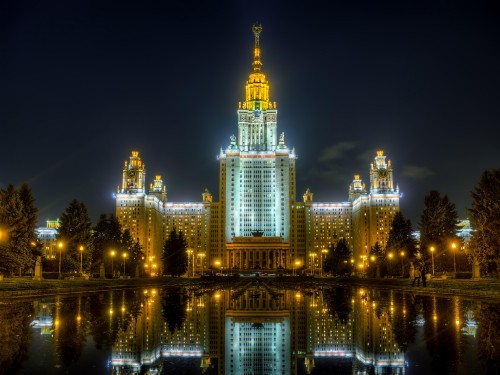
(382, 173)
(131, 173)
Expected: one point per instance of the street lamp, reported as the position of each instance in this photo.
(202, 256)
(125, 255)
(60, 246)
(217, 266)
(81, 260)
(112, 253)
(402, 264)
(453, 247)
(312, 255)
(296, 264)
(432, 257)
(323, 251)
(390, 255)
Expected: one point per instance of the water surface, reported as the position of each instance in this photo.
(254, 327)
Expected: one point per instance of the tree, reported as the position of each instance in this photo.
(338, 259)
(484, 246)
(134, 249)
(175, 260)
(377, 257)
(437, 226)
(75, 231)
(18, 216)
(400, 236)
(107, 236)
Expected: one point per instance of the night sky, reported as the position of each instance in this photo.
(82, 83)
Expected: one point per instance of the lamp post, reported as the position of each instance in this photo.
(60, 246)
(112, 253)
(453, 248)
(390, 258)
(432, 257)
(363, 264)
(125, 255)
(81, 259)
(323, 252)
(312, 256)
(296, 264)
(202, 261)
(217, 267)
(402, 264)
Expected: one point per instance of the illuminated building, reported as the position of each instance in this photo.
(257, 223)
(47, 237)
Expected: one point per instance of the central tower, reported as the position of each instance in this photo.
(257, 169)
(257, 115)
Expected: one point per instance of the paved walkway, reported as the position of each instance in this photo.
(26, 287)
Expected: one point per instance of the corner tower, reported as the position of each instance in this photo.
(142, 212)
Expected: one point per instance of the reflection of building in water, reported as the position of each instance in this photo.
(260, 329)
(147, 340)
(374, 339)
(43, 319)
(330, 336)
(257, 337)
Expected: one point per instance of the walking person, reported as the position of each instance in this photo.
(416, 277)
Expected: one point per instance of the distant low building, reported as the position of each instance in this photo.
(47, 237)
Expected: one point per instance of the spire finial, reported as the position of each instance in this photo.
(257, 29)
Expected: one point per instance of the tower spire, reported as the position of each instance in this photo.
(257, 64)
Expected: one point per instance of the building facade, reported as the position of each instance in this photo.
(257, 223)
